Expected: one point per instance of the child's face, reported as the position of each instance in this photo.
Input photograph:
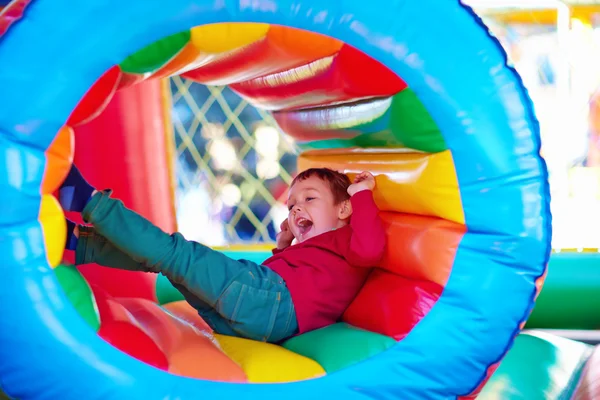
(313, 210)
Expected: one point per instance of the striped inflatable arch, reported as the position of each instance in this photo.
(417, 92)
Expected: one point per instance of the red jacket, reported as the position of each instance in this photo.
(326, 272)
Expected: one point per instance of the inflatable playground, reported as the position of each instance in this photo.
(417, 92)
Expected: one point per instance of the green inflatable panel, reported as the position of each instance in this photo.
(154, 56)
(338, 346)
(79, 293)
(538, 367)
(166, 292)
(570, 298)
(406, 123)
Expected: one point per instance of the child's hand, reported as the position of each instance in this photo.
(285, 237)
(363, 181)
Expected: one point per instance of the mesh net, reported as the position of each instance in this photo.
(233, 166)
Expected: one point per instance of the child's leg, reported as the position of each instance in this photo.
(93, 248)
(257, 304)
(252, 298)
(75, 191)
(208, 313)
(236, 312)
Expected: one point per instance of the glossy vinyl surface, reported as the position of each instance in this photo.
(398, 121)
(241, 52)
(539, 367)
(493, 182)
(407, 182)
(332, 79)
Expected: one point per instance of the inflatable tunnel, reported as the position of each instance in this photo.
(417, 92)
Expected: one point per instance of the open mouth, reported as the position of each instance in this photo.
(305, 225)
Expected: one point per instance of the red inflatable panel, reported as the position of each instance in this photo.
(424, 247)
(124, 149)
(97, 98)
(349, 75)
(392, 305)
(130, 79)
(282, 48)
(133, 341)
(109, 309)
(119, 328)
(119, 283)
(12, 13)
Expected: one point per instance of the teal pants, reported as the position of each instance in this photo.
(235, 297)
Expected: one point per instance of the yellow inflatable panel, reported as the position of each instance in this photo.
(268, 363)
(258, 247)
(408, 182)
(220, 38)
(59, 157)
(54, 227)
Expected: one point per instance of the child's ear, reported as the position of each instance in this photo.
(345, 210)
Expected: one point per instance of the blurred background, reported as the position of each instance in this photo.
(233, 165)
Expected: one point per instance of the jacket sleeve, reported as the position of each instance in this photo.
(368, 238)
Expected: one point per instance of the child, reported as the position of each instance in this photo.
(302, 287)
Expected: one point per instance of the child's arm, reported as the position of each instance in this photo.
(368, 240)
(284, 238)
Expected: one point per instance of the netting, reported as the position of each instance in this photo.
(233, 166)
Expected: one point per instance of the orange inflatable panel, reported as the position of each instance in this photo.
(349, 75)
(183, 310)
(419, 247)
(281, 49)
(190, 351)
(186, 56)
(59, 157)
(392, 305)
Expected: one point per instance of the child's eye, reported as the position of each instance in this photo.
(310, 198)
(290, 207)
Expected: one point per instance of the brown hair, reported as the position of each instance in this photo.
(338, 182)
